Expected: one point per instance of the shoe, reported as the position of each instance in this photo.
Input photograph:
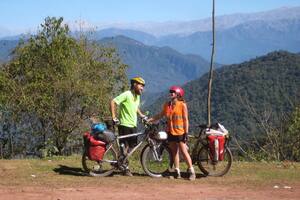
(177, 174)
(192, 175)
(127, 173)
(167, 173)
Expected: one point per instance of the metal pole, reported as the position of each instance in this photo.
(211, 67)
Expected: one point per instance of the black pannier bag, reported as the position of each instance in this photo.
(106, 136)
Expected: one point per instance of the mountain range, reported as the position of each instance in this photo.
(239, 37)
(241, 42)
(160, 66)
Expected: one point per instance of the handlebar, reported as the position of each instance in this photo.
(204, 126)
(145, 120)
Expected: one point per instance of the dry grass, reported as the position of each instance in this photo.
(66, 172)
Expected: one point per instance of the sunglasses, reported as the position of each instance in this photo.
(172, 91)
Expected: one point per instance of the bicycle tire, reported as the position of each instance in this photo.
(211, 168)
(102, 167)
(153, 167)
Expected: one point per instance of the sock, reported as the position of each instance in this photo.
(192, 170)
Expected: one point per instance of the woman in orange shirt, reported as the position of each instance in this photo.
(176, 112)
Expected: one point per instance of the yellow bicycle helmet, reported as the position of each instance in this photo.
(138, 79)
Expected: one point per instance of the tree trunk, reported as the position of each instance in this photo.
(211, 68)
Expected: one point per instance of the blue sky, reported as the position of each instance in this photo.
(20, 15)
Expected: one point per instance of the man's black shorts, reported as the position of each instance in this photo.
(124, 130)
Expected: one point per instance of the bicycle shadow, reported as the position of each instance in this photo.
(186, 175)
(66, 170)
(76, 171)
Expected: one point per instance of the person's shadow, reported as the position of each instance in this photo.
(75, 171)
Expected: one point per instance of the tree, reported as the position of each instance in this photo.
(278, 140)
(60, 81)
(292, 137)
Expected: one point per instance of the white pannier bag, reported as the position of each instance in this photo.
(221, 131)
(161, 135)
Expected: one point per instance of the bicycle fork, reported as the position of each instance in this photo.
(155, 151)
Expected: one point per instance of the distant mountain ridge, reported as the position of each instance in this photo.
(241, 42)
(6, 47)
(223, 22)
(185, 28)
(239, 37)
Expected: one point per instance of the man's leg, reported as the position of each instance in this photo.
(126, 143)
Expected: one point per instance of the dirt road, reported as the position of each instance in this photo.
(152, 190)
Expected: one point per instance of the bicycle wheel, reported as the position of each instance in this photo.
(104, 167)
(213, 168)
(156, 163)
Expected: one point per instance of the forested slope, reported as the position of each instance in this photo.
(243, 94)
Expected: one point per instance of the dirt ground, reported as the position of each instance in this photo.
(64, 179)
(152, 190)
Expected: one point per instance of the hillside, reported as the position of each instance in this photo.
(270, 85)
(6, 46)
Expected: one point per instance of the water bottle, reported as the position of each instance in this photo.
(122, 148)
(216, 156)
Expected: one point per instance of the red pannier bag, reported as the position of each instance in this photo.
(216, 148)
(96, 148)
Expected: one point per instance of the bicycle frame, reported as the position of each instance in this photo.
(193, 151)
(197, 145)
(127, 155)
(129, 136)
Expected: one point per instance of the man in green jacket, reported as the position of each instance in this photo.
(128, 103)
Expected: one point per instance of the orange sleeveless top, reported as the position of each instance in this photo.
(175, 117)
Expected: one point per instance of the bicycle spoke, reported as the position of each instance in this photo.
(214, 168)
(155, 163)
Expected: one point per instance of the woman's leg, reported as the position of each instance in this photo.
(175, 153)
(185, 153)
(187, 157)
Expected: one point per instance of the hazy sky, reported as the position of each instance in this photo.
(20, 15)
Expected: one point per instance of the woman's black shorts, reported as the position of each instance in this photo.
(177, 138)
